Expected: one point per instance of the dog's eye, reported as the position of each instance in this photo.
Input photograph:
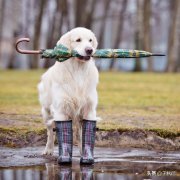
(78, 40)
(90, 40)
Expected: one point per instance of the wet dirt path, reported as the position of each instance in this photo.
(111, 163)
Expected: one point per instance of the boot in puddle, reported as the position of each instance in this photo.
(65, 141)
(88, 140)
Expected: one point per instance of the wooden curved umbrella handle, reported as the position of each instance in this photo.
(22, 51)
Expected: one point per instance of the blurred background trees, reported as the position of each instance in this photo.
(151, 25)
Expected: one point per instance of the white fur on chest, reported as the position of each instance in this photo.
(74, 87)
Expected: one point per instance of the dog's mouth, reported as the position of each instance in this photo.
(84, 58)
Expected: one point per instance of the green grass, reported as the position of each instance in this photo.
(126, 100)
(18, 92)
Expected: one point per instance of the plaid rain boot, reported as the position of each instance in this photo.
(88, 140)
(65, 140)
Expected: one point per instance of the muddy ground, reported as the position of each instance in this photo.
(18, 130)
(110, 163)
(119, 154)
(30, 156)
(130, 138)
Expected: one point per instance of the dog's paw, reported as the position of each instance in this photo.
(47, 151)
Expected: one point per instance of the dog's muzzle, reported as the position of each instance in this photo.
(89, 52)
(85, 58)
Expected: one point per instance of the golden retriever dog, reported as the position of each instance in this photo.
(67, 93)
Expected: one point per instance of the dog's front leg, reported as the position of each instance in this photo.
(89, 112)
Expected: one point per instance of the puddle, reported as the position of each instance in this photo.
(111, 163)
(100, 171)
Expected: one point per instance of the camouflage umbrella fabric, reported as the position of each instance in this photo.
(62, 53)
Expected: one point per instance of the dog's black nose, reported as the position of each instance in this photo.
(88, 50)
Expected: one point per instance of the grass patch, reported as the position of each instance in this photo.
(140, 100)
(19, 136)
(126, 101)
(165, 133)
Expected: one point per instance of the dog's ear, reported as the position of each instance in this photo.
(65, 40)
(95, 43)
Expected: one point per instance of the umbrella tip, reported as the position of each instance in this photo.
(157, 54)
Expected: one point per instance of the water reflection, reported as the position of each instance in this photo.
(52, 171)
(69, 172)
(87, 172)
(65, 173)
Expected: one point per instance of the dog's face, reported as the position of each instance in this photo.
(82, 40)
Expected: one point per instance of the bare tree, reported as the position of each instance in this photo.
(60, 18)
(2, 9)
(119, 30)
(177, 40)
(14, 31)
(54, 30)
(147, 31)
(138, 34)
(65, 12)
(172, 41)
(10, 64)
(88, 18)
(103, 22)
(79, 8)
(88, 8)
(102, 28)
(26, 18)
(178, 55)
(63, 16)
(50, 32)
(37, 30)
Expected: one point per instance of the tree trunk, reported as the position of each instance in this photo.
(50, 39)
(2, 8)
(102, 29)
(53, 31)
(138, 35)
(88, 8)
(171, 63)
(26, 18)
(80, 6)
(147, 32)
(66, 14)
(13, 52)
(88, 20)
(178, 57)
(137, 61)
(37, 31)
(103, 23)
(177, 40)
(59, 19)
(119, 31)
